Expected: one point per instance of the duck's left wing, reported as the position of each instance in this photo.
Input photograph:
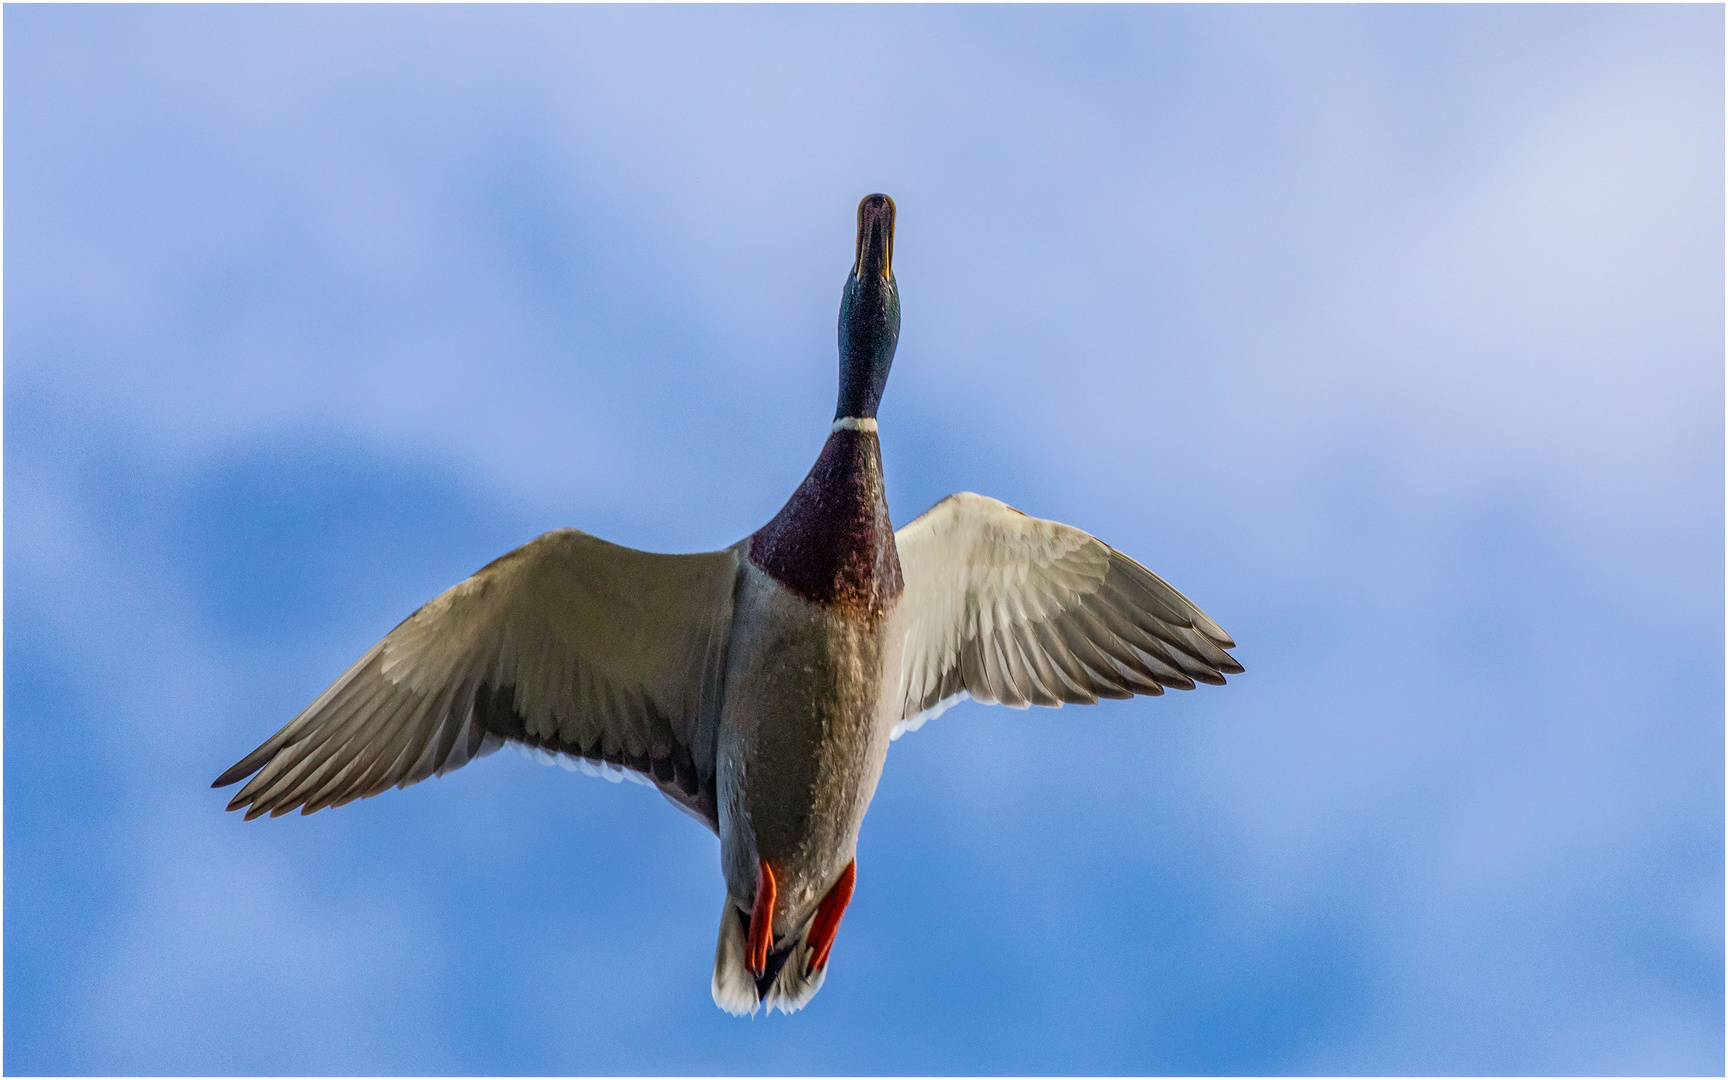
(1016, 610)
(568, 644)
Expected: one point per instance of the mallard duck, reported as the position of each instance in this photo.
(758, 687)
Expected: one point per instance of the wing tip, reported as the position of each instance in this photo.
(231, 777)
(243, 768)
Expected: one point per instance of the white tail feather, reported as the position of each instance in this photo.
(794, 989)
(735, 988)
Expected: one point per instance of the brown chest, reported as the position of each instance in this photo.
(832, 543)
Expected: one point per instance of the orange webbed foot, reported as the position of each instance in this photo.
(826, 924)
(761, 920)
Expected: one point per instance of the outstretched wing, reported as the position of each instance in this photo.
(1015, 610)
(568, 644)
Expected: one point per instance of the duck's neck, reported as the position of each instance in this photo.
(832, 543)
(869, 331)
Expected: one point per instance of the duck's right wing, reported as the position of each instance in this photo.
(1016, 610)
(568, 644)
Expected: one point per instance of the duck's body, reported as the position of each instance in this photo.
(759, 686)
(805, 728)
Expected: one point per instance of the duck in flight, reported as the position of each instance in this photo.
(757, 687)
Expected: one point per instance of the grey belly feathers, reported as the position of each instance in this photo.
(802, 737)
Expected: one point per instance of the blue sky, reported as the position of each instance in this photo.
(1392, 336)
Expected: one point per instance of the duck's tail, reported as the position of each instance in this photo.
(786, 983)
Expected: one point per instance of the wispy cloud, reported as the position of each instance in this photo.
(1392, 336)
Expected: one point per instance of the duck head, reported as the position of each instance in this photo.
(869, 313)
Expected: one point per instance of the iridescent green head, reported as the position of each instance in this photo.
(869, 312)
